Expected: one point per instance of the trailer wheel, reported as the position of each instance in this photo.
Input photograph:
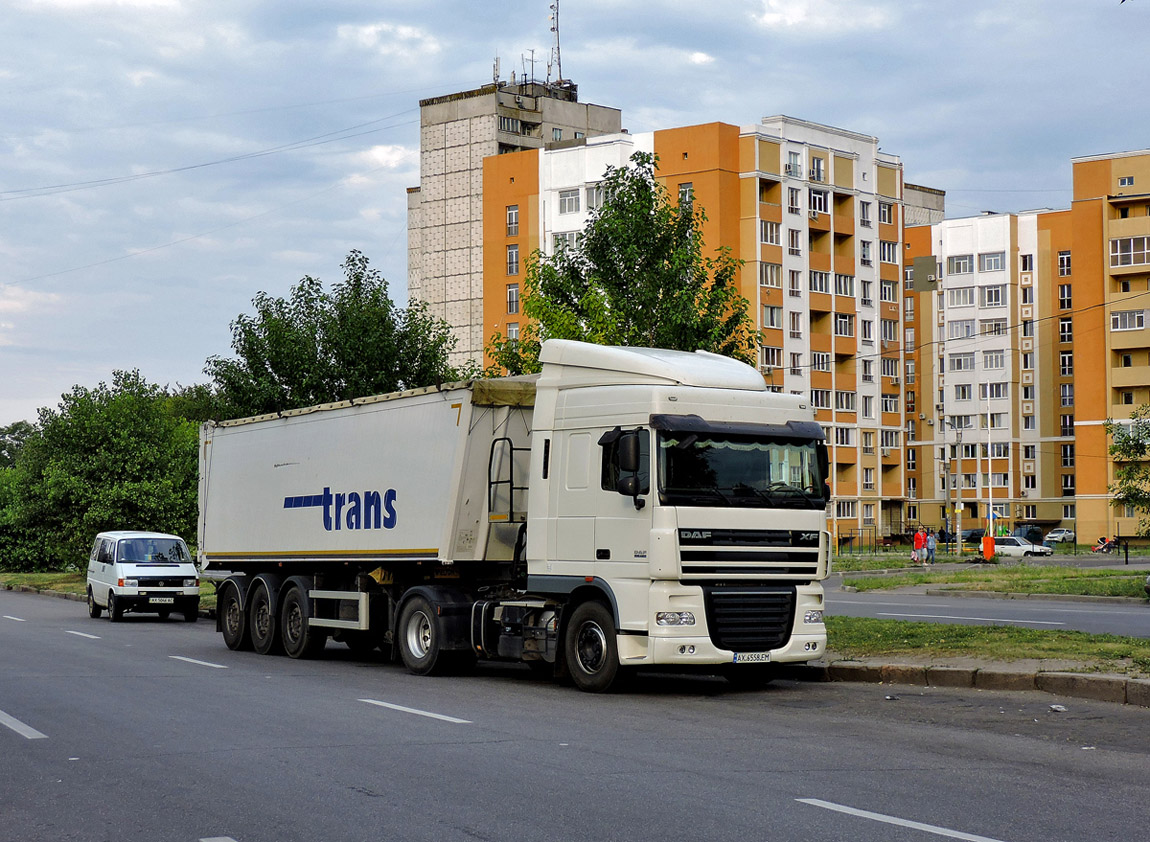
(233, 620)
(591, 649)
(262, 620)
(300, 640)
(419, 637)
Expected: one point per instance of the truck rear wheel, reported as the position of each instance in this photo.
(233, 619)
(419, 637)
(300, 640)
(591, 649)
(262, 620)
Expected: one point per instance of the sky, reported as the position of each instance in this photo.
(163, 161)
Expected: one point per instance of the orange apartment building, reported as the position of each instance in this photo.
(815, 213)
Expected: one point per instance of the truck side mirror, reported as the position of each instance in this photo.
(628, 486)
(629, 452)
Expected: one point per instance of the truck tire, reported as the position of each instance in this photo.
(233, 618)
(300, 640)
(262, 620)
(115, 610)
(419, 637)
(591, 649)
(94, 610)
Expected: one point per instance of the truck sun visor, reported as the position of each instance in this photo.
(802, 430)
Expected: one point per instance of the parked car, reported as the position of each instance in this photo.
(1060, 536)
(1029, 533)
(972, 536)
(148, 572)
(1011, 546)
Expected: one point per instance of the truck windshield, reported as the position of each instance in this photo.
(153, 550)
(705, 469)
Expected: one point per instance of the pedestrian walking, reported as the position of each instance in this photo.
(918, 555)
(931, 543)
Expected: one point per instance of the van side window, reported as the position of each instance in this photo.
(611, 471)
(95, 555)
(105, 556)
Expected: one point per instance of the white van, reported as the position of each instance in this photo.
(147, 572)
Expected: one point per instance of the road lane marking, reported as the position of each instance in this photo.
(982, 619)
(201, 663)
(218, 839)
(17, 619)
(879, 817)
(82, 634)
(417, 712)
(26, 731)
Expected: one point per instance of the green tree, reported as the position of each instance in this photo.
(638, 276)
(12, 438)
(1130, 449)
(316, 347)
(113, 457)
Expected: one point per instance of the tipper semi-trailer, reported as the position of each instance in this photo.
(625, 508)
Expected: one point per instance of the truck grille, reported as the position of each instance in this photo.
(749, 554)
(750, 619)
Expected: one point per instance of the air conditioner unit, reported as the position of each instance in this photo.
(930, 421)
(921, 416)
(1022, 493)
(814, 214)
(931, 278)
(885, 452)
(894, 381)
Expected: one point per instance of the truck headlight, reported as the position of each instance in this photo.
(813, 617)
(674, 618)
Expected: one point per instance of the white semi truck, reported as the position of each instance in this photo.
(628, 507)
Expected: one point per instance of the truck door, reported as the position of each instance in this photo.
(623, 522)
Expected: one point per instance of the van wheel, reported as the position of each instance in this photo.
(419, 637)
(299, 639)
(591, 648)
(115, 610)
(94, 610)
(233, 620)
(262, 621)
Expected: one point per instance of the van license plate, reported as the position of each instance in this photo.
(161, 600)
(752, 657)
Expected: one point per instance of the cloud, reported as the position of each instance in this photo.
(391, 40)
(15, 299)
(821, 18)
(700, 58)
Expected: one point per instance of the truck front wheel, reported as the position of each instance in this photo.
(591, 649)
(419, 643)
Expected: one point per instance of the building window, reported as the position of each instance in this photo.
(686, 192)
(888, 291)
(513, 220)
(1066, 391)
(960, 264)
(867, 332)
(1066, 363)
(991, 261)
(818, 200)
(864, 214)
(513, 331)
(770, 275)
(887, 252)
(1026, 262)
(1068, 485)
(994, 296)
(865, 294)
(770, 357)
(1063, 263)
(512, 299)
(845, 509)
(772, 317)
(868, 479)
(886, 213)
(1068, 511)
(960, 328)
(845, 401)
(1128, 320)
(845, 436)
(1126, 398)
(1064, 297)
(1125, 181)
(1028, 422)
(962, 362)
(993, 391)
(795, 164)
(890, 403)
(868, 513)
(565, 240)
(820, 361)
(1027, 295)
(557, 134)
(992, 327)
(796, 325)
(960, 297)
(568, 201)
(1066, 329)
(1027, 361)
(578, 135)
(795, 283)
(1130, 251)
(1127, 361)
(594, 196)
(845, 285)
(820, 281)
(818, 173)
(510, 125)
(1066, 425)
(1068, 456)
(844, 324)
(821, 398)
(864, 253)
(794, 200)
(513, 259)
(962, 390)
(794, 242)
(796, 364)
(993, 359)
(769, 233)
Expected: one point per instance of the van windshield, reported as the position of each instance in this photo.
(153, 551)
(716, 469)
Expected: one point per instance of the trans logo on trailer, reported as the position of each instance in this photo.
(350, 509)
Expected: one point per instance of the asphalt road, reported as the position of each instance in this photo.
(1123, 618)
(153, 730)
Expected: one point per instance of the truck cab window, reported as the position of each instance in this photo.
(612, 473)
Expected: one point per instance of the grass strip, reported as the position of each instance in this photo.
(861, 638)
(77, 583)
(1065, 581)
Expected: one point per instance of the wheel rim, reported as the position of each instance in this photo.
(263, 619)
(591, 647)
(293, 625)
(233, 621)
(419, 634)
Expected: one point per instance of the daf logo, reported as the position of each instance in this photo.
(693, 534)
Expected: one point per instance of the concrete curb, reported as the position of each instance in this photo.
(1046, 597)
(1105, 688)
(77, 597)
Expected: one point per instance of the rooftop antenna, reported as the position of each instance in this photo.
(495, 70)
(554, 18)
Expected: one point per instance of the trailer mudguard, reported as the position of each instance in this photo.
(452, 609)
